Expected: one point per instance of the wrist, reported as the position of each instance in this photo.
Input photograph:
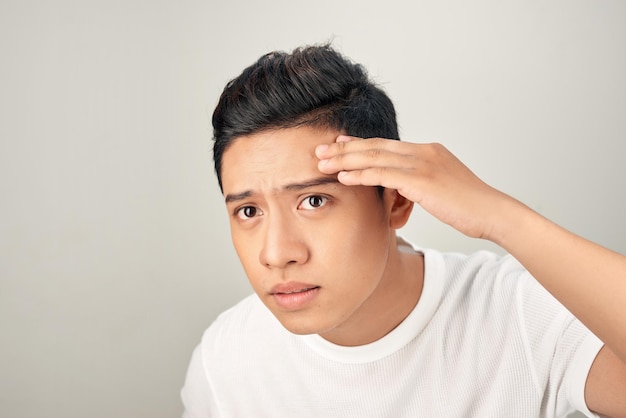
(513, 222)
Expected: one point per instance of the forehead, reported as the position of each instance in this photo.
(273, 158)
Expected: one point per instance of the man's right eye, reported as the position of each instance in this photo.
(247, 212)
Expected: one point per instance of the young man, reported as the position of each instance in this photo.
(347, 319)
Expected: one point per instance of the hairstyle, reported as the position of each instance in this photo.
(311, 86)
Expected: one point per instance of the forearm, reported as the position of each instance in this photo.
(586, 278)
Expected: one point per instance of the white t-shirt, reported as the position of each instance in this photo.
(484, 340)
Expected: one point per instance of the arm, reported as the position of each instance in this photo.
(587, 279)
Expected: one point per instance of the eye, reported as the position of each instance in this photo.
(313, 202)
(247, 212)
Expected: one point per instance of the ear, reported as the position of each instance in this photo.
(399, 207)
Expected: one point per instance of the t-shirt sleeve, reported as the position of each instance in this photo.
(560, 348)
(579, 370)
(196, 394)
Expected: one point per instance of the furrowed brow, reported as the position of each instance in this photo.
(320, 181)
(234, 197)
(311, 183)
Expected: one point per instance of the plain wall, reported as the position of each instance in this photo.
(115, 252)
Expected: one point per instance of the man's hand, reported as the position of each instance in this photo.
(427, 174)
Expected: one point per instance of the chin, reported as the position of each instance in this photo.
(300, 329)
(300, 326)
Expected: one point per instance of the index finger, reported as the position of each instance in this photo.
(346, 144)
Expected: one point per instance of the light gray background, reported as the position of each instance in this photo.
(114, 246)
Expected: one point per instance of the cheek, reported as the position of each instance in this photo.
(247, 252)
(361, 244)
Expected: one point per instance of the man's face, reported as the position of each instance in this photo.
(314, 250)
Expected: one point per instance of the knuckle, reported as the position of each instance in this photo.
(373, 153)
(379, 172)
(438, 148)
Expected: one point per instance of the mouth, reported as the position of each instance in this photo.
(294, 296)
(291, 292)
(291, 288)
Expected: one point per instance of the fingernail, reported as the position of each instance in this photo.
(321, 149)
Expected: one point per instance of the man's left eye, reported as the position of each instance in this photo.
(313, 202)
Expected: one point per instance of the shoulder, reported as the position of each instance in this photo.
(237, 321)
(219, 349)
(489, 285)
(240, 330)
(482, 271)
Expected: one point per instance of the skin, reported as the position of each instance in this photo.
(586, 278)
(300, 236)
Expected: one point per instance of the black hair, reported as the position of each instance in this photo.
(311, 86)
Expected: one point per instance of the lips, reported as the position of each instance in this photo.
(294, 296)
(291, 287)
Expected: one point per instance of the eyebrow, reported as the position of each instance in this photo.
(319, 181)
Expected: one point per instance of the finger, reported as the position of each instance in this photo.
(369, 177)
(391, 178)
(346, 138)
(344, 144)
(323, 151)
(366, 158)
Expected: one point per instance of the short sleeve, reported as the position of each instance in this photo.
(579, 370)
(560, 348)
(196, 394)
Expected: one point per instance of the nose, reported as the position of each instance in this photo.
(282, 243)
